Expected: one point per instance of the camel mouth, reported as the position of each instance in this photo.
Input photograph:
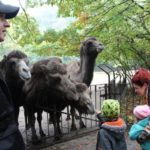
(90, 109)
(90, 112)
(100, 48)
(25, 77)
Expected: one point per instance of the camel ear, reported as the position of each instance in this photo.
(83, 43)
(3, 60)
(4, 56)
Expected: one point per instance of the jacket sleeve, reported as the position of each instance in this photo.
(135, 131)
(101, 119)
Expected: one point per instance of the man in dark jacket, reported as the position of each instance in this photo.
(10, 136)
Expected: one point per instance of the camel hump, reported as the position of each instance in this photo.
(73, 66)
(57, 67)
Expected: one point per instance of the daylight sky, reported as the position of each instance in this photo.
(46, 16)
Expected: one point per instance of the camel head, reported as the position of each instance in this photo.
(91, 46)
(85, 104)
(15, 64)
(68, 88)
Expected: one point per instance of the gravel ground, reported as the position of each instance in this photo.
(87, 142)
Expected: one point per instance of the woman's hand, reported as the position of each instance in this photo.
(147, 129)
(145, 134)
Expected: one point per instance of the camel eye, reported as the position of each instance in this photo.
(90, 43)
(12, 62)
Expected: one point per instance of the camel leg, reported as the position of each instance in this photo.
(73, 125)
(39, 119)
(76, 115)
(27, 125)
(68, 113)
(56, 127)
(50, 119)
(82, 125)
(35, 139)
(17, 114)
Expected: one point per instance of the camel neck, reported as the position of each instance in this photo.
(87, 69)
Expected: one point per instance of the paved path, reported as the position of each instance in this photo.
(87, 143)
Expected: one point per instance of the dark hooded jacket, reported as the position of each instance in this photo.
(111, 135)
(10, 137)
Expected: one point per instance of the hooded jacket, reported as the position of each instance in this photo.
(136, 130)
(111, 135)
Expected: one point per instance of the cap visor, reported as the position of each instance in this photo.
(9, 11)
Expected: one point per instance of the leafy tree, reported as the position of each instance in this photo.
(25, 30)
(122, 25)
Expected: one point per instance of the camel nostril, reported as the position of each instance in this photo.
(24, 70)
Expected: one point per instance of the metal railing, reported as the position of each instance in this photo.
(100, 92)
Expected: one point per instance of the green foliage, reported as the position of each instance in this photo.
(122, 25)
(27, 30)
